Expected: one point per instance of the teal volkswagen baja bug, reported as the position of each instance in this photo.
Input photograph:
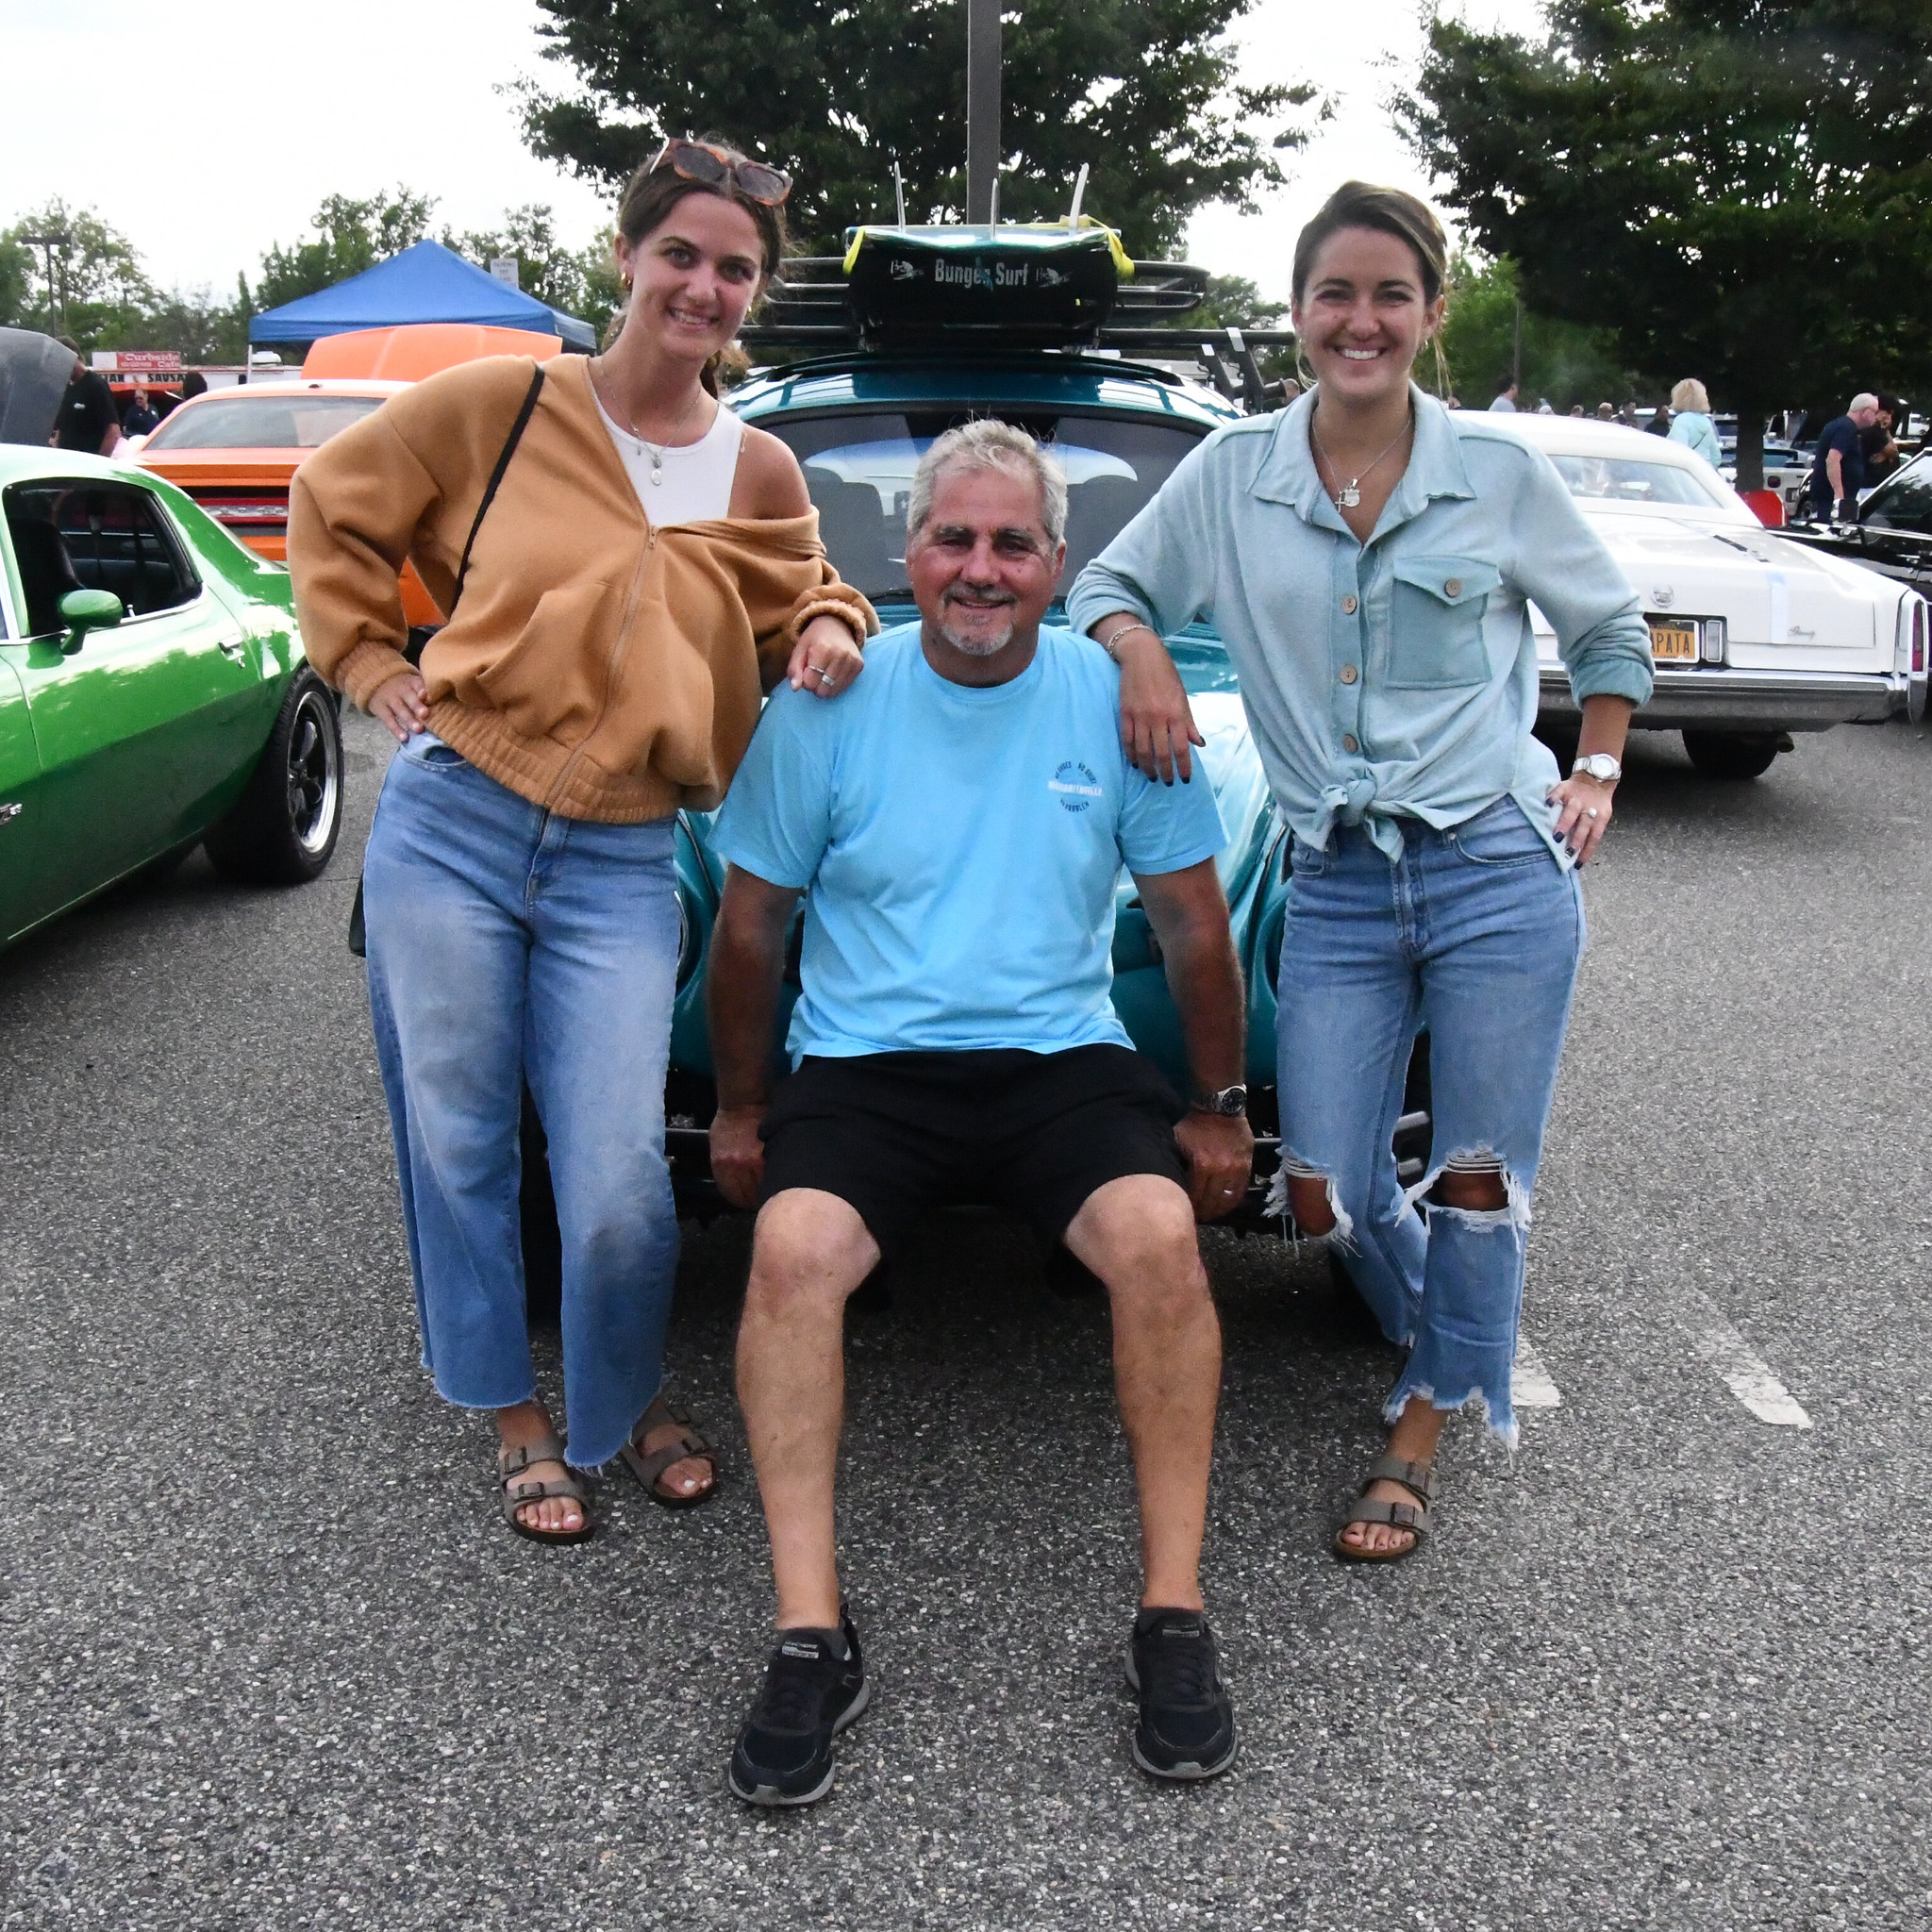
(915, 330)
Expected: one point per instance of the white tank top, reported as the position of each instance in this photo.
(691, 485)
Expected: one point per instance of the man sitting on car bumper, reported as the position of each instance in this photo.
(958, 822)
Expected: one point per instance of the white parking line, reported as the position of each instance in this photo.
(1530, 1385)
(1749, 1378)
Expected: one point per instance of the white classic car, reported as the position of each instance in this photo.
(1753, 637)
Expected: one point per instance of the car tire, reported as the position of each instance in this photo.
(1732, 754)
(283, 829)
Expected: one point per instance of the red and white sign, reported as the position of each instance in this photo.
(137, 361)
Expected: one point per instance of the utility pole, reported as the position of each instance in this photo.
(48, 244)
(982, 108)
(1516, 349)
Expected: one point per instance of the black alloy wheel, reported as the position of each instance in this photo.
(284, 828)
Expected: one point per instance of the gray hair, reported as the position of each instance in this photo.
(987, 443)
(1863, 400)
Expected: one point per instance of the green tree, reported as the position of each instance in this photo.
(18, 272)
(1144, 91)
(582, 282)
(350, 236)
(100, 291)
(1562, 360)
(1738, 190)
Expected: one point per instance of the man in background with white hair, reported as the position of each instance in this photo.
(1837, 462)
(959, 826)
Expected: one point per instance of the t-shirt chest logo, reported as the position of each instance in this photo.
(1075, 786)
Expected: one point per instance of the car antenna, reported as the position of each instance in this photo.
(1079, 195)
(993, 214)
(899, 190)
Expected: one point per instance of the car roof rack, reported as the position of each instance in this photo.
(992, 289)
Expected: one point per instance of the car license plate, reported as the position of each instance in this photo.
(1673, 643)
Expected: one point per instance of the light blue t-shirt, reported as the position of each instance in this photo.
(960, 848)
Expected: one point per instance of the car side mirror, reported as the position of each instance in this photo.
(85, 610)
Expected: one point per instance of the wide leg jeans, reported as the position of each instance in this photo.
(508, 944)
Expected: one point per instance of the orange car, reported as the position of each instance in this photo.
(236, 450)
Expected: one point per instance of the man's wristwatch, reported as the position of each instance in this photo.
(1599, 765)
(1230, 1103)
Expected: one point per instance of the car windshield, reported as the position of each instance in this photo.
(1628, 479)
(858, 469)
(263, 421)
(1905, 503)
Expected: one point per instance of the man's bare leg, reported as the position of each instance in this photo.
(1138, 1235)
(809, 1251)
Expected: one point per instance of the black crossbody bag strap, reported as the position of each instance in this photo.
(359, 939)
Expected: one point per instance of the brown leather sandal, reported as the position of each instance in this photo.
(1419, 1479)
(649, 1465)
(510, 1463)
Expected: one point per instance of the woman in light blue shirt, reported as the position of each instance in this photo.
(1691, 423)
(1368, 558)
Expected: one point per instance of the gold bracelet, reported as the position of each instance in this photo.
(1113, 637)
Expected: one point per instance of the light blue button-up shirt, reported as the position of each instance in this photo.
(1397, 678)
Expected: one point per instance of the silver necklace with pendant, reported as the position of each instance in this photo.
(1350, 494)
(656, 449)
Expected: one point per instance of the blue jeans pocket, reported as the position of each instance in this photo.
(1499, 836)
(1307, 861)
(425, 749)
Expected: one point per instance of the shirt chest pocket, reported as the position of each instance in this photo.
(1436, 606)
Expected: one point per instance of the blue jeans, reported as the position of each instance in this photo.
(1476, 934)
(505, 943)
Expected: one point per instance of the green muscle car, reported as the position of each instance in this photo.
(153, 692)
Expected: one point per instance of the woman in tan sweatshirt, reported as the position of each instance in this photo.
(646, 567)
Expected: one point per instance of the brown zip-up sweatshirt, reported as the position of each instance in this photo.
(597, 666)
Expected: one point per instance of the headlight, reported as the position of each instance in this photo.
(1714, 647)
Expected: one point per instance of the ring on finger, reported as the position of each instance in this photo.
(826, 678)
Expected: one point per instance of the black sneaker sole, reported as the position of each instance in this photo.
(770, 1796)
(1187, 1770)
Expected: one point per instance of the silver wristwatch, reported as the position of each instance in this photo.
(1599, 765)
(1230, 1102)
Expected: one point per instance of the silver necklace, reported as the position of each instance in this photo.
(656, 449)
(1350, 494)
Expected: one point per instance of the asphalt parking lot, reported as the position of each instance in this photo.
(268, 1657)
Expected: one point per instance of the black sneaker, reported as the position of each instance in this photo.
(810, 1694)
(1187, 1717)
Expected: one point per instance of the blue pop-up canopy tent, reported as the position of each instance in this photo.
(426, 283)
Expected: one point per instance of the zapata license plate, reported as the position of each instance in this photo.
(1673, 643)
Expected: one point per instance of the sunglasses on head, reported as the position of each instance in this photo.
(691, 160)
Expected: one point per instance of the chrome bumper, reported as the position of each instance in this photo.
(1718, 698)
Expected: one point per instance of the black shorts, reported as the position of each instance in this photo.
(898, 1133)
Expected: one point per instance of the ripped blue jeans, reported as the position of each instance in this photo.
(1475, 933)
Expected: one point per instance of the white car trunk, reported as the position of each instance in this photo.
(1787, 608)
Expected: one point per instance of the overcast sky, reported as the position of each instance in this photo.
(207, 129)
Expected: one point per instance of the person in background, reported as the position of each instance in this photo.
(1452, 401)
(1576, 409)
(1505, 396)
(1545, 408)
(1837, 462)
(1880, 441)
(650, 566)
(194, 384)
(140, 417)
(1660, 424)
(1627, 414)
(1607, 412)
(88, 419)
(1369, 560)
(1692, 425)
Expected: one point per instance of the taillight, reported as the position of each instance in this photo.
(1912, 623)
(267, 511)
(1714, 646)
